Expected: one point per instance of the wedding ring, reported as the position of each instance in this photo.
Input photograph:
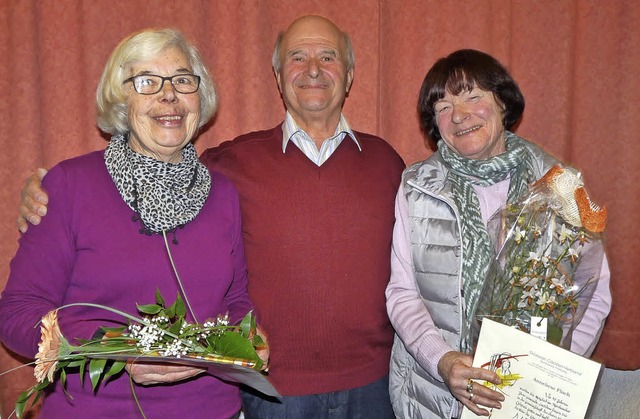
(470, 387)
(470, 396)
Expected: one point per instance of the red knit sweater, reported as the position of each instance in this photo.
(317, 242)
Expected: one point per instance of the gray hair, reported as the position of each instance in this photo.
(111, 97)
(350, 58)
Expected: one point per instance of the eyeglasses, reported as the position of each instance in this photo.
(150, 84)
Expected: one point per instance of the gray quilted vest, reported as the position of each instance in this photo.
(437, 258)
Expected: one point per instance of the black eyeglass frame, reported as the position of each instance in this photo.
(169, 78)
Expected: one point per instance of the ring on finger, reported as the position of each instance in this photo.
(471, 395)
(470, 386)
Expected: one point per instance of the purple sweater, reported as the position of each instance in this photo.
(88, 249)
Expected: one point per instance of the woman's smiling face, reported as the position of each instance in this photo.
(163, 123)
(471, 123)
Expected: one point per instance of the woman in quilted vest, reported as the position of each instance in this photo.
(441, 249)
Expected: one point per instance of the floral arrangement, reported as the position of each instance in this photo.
(549, 253)
(162, 331)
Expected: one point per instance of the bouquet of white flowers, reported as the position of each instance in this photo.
(549, 250)
(162, 334)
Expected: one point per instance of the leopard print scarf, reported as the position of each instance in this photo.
(164, 195)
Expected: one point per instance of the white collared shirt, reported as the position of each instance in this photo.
(292, 132)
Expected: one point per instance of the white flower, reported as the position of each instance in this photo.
(223, 320)
(519, 234)
(526, 297)
(574, 254)
(524, 280)
(147, 336)
(545, 260)
(558, 284)
(546, 300)
(535, 230)
(536, 258)
(565, 233)
(531, 282)
(175, 348)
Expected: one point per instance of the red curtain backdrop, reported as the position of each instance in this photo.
(577, 63)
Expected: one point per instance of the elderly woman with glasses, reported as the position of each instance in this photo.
(115, 220)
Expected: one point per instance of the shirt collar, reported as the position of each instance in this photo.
(290, 128)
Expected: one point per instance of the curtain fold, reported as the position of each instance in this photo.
(576, 61)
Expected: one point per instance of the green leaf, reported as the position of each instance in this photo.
(24, 397)
(159, 299)
(180, 308)
(96, 368)
(82, 366)
(113, 331)
(114, 368)
(246, 323)
(63, 382)
(63, 364)
(170, 312)
(257, 341)
(20, 408)
(76, 363)
(233, 345)
(39, 394)
(175, 328)
(149, 308)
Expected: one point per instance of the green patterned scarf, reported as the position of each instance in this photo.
(514, 163)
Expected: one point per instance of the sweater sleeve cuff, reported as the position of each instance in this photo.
(432, 348)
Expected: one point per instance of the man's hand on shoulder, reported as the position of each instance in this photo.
(33, 202)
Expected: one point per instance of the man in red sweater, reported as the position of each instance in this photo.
(317, 202)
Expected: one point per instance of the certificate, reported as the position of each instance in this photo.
(539, 379)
